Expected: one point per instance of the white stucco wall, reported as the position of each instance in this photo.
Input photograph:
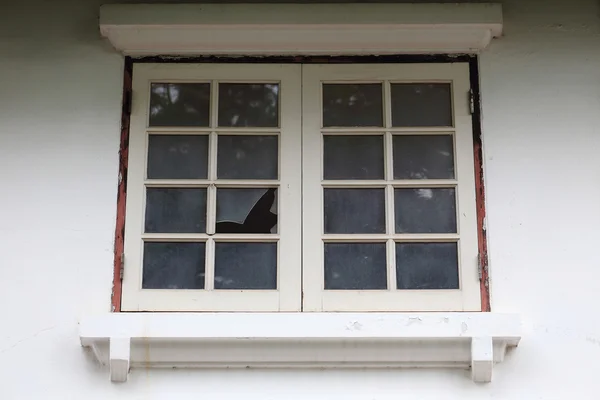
(60, 93)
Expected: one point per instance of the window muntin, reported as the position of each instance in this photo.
(397, 231)
(387, 145)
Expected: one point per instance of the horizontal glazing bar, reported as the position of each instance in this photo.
(401, 237)
(434, 130)
(161, 130)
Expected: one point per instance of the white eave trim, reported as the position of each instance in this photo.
(299, 29)
(301, 340)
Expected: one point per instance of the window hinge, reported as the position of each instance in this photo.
(471, 102)
(482, 266)
(122, 268)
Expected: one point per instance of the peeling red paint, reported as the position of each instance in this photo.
(122, 188)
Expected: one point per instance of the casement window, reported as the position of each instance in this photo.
(301, 187)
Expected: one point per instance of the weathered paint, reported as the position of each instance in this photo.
(122, 189)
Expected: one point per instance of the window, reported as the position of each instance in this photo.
(289, 187)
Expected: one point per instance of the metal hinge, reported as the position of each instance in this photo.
(471, 101)
(122, 269)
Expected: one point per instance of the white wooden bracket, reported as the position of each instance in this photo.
(465, 340)
(482, 359)
(120, 357)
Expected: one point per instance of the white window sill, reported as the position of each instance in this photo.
(300, 340)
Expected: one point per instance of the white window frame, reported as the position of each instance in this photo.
(468, 296)
(288, 295)
(300, 252)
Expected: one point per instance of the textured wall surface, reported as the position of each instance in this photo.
(60, 94)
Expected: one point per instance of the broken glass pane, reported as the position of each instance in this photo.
(175, 210)
(246, 210)
(355, 266)
(423, 157)
(247, 157)
(352, 157)
(177, 156)
(180, 104)
(427, 265)
(173, 265)
(352, 104)
(354, 210)
(249, 105)
(421, 104)
(246, 265)
(425, 210)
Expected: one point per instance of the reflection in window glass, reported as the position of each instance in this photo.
(246, 210)
(354, 266)
(352, 157)
(425, 210)
(421, 104)
(179, 210)
(247, 157)
(246, 266)
(248, 105)
(352, 104)
(354, 210)
(427, 265)
(423, 157)
(177, 156)
(180, 104)
(173, 265)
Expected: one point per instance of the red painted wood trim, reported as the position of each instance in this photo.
(122, 188)
(484, 284)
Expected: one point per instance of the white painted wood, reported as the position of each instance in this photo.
(119, 356)
(468, 297)
(482, 359)
(288, 296)
(306, 340)
(196, 29)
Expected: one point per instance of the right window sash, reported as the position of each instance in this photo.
(389, 212)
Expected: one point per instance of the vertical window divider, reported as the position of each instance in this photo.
(389, 189)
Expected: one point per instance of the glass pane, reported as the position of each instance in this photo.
(245, 265)
(248, 104)
(247, 210)
(173, 265)
(352, 104)
(175, 210)
(177, 156)
(427, 265)
(353, 157)
(247, 157)
(423, 157)
(421, 104)
(355, 266)
(425, 210)
(354, 210)
(180, 104)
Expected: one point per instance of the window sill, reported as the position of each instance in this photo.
(301, 340)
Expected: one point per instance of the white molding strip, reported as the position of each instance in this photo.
(299, 29)
(300, 340)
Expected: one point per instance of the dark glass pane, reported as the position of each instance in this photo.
(180, 104)
(421, 104)
(248, 104)
(423, 157)
(173, 265)
(247, 210)
(248, 157)
(354, 210)
(427, 265)
(175, 210)
(425, 210)
(246, 266)
(355, 266)
(353, 157)
(352, 104)
(177, 156)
